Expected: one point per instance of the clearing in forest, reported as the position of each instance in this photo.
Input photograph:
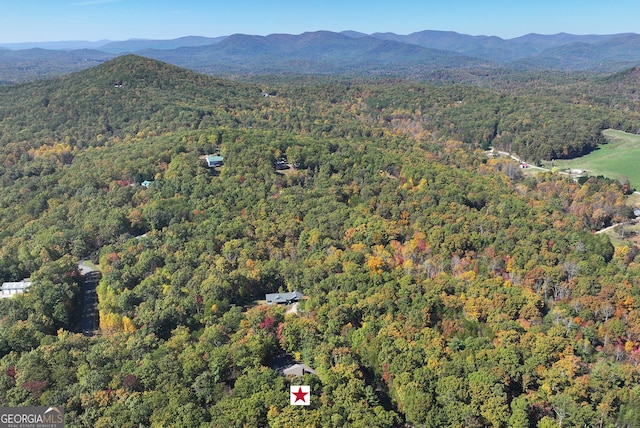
(618, 159)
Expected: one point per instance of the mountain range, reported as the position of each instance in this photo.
(328, 53)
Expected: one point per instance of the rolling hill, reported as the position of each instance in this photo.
(119, 97)
(130, 94)
(604, 56)
(490, 48)
(441, 287)
(415, 55)
(136, 45)
(312, 53)
(421, 55)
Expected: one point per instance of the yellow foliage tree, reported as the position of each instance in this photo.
(375, 264)
(110, 322)
(127, 325)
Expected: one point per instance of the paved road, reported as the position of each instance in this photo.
(90, 320)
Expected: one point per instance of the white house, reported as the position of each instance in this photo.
(9, 289)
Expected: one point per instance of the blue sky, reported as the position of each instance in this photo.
(55, 20)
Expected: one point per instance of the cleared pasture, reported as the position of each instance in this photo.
(618, 159)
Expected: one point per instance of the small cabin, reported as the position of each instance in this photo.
(214, 161)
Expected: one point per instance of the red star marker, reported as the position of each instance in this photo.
(300, 395)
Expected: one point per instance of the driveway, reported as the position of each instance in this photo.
(90, 276)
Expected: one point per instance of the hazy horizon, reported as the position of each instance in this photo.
(102, 42)
(40, 21)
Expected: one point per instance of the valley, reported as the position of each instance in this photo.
(442, 287)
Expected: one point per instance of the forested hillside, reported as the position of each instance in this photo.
(442, 288)
(131, 95)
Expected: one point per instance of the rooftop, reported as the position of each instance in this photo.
(214, 160)
(286, 298)
(8, 289)
(286, 365)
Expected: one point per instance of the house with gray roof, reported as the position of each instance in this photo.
(9, 289)
(283, 298)
(287, 366)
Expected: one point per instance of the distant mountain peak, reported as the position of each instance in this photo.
(333, 53)
(354, 34)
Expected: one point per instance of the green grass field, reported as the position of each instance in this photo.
(619, 158)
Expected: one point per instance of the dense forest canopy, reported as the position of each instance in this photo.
(442, 287)
(535, 122)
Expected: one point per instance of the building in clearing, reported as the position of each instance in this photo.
(214, 160)
(281, 164)
(298, 369)
(9, 289)
(283, 298)
(287, 366)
